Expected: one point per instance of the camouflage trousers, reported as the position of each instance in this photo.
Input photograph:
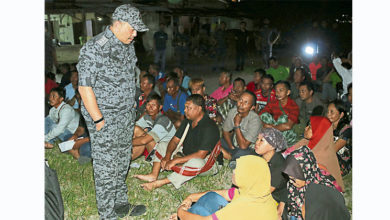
(111, 153)
(288, 135)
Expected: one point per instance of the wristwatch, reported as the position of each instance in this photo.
(234, 128)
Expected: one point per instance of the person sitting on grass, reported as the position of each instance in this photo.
(307, 102)
(81, 150)
(183, 79)
(266, 93)
(342, 132)
(72, 95)
(241, 128)
(282, 113)
(197, 86)
(250, 200)
(277, 71)
(200, 140)
(299, 77)
(225, 81)
(254, 85)
(147, 86)
(269, 144)
(62, 119)
(311, 194)
(233, 97)
(174, 101)
(152, 129)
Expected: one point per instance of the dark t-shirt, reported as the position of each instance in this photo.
(160, 38)
(241, 41)
(278, 180)
(203, 137)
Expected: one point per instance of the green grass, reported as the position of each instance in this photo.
(78, 191)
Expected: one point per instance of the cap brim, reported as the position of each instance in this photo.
(140, 27)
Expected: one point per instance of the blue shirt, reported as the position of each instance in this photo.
(170, 103)
(70, 93)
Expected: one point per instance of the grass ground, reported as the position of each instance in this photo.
(78, 192)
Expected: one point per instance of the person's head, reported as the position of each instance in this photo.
(197, 86)
(194, 107)
(225, 77)
(179, 71)
(238, 86)
(350, 93)
(173, 86)
(154, 69)
(74, 78)
(294, 171)
(316, 59)
(297, 61)
(267, 83)
(242, 25)
(162, 26)
(282, 90)
(56, 96)
(299, 75)
(181, 29)
(336, 111)
(306, 91)
(273, 62)
(258, 74)
(246, 103)
(126, 21)
(64, 68)
(270, 139)
(324, 61)
(153, 105)
(147, 83)
(257, 184)
(316, 129)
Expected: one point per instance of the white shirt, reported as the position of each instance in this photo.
(346, 75)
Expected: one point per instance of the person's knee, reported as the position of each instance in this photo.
(138, 131)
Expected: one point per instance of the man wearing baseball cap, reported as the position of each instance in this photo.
(107, 88)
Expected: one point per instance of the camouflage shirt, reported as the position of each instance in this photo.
(107, 65)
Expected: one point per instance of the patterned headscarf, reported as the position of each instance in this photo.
(275, 138)
(308, 164)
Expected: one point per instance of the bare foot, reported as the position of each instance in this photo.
(173, 216)
(148, 178)
(155, 184)
(48, 145)
(75, 153)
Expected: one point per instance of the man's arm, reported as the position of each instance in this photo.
(221, 101)
(142, 140)
(228, 138)
(171, 147)
(66, 115)
(89, 99)
(285, 126)
(199, 154)
(174, 116)
(241, 141)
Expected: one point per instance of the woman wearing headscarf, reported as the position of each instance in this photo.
(318, 137)
(251, 200)
(312, 195)
(269, 144)
(342, 132)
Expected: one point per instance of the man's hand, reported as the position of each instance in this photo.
(170, 164)
(187, 202)
(164, 161)
(237, 119)
(100, 125)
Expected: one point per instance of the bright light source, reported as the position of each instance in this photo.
(99, 18)
(309, 50)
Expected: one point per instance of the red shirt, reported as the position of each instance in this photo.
(251, 86)
(262, 100)
(291, 109)
(313, 70)
(49, 85)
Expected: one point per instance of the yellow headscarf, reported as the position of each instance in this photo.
(253, 199)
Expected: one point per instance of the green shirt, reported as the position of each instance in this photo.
(334, 78)
(281, 73)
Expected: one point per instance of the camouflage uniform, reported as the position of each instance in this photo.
(107, 65)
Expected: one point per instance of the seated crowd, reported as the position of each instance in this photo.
(287, 136)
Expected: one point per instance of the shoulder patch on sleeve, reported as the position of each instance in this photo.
(103, 40)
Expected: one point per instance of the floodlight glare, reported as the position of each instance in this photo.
(309, 50)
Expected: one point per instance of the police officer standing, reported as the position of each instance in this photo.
(107, 88)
